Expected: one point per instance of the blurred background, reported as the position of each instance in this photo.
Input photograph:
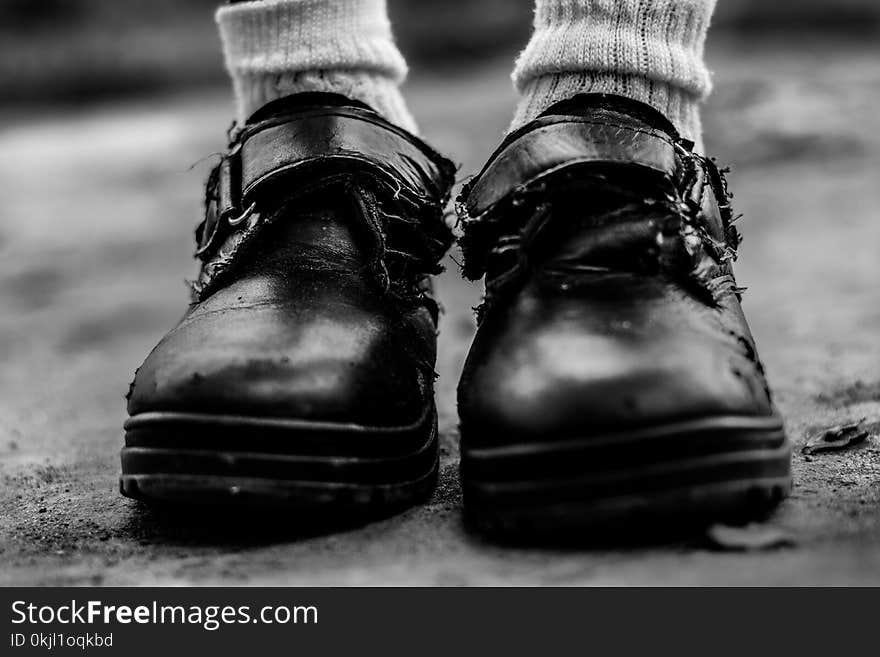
(110, 111)
(79, 50)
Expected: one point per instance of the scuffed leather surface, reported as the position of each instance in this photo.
(610, 297)
(615, 351)
(300, 333)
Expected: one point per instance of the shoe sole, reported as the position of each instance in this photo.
(199, 459)
(684, 474)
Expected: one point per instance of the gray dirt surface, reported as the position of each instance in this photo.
(98, 208)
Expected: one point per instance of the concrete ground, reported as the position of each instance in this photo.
(96, 218)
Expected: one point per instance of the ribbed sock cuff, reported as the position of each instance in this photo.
(647, 50)
(275, 48)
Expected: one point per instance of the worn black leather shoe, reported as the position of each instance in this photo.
(302, 373)
(613, 377)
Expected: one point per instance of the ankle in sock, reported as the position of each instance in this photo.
(275, 48)
(646, 50)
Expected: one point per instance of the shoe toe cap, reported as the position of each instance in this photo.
(279, 361)
(562, 377)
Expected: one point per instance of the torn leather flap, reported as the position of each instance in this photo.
(552, 149)
(707, 232)
(631, 198)
(285, 156)
(553, 145)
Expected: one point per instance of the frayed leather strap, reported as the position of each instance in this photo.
(672, 215)
(334, 140)
(553, 144)
(400, 183)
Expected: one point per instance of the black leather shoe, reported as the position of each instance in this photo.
(613, 376)
(302, 373)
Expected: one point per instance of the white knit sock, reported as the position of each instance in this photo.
(647, 50)
(275, 48)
